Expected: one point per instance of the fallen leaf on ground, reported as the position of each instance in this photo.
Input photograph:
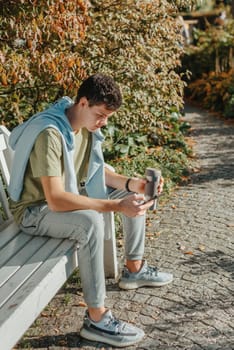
(189, 140)
(196, 170)
(82, 303)
(154, 317)
(62, 342)
(185, 178)
(120, 243)
(149, 235)
(202, 248)
(193, 155)
(131, 321)
(149, 224)
(188, 253)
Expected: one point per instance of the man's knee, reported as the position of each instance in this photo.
(93, 224)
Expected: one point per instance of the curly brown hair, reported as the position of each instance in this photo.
(100, 89)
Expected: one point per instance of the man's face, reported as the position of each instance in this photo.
(91, 118)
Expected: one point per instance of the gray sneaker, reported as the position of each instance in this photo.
(147, 277)
(111, 331)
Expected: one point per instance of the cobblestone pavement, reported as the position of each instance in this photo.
(192, 235)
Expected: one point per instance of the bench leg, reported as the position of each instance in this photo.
(110, 254)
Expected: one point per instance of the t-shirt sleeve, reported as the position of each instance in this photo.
(47, 153)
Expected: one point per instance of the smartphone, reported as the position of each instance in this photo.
(150, 199)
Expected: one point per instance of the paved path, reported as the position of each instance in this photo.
(192, 236)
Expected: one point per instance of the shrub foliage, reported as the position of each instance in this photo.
(211, 62)
(37, 58)
(49, 46)
(138, 42)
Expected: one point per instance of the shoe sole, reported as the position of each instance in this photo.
(138, 284)
(84, 333)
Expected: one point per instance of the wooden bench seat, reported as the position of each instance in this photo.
(33, 269)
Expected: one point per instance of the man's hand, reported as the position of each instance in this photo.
(132, 205)
(137, 185)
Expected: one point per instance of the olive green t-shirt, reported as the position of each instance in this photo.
(46, 159)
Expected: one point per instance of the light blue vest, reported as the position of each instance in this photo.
(24, 136)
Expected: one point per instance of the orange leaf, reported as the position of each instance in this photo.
(185, 178)
(14, 78)
(58, 76)
(82, 303)
(150, 235)
(29, 43)
(61, 7)
(4, 79)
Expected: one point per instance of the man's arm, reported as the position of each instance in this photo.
(60, 200)
(118, 181)
(136, 184)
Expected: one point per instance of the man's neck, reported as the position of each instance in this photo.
(70, 116)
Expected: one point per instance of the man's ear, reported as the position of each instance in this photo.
(83, 102)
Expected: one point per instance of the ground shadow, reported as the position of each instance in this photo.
(216, 172)
(214, 260)
(69, 340)
(218, 155)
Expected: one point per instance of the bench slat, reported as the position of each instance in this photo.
(2, 143)
(3, 163)
(19, 312)
(4, 200)
(7, 232)
(8, 153)
(110, 253)
(19, 259)
(12, 248)
(22, 268)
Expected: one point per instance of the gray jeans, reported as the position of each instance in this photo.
(87, 228)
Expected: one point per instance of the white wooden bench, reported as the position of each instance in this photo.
(33, 269)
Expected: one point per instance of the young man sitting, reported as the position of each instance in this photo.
(60, 188)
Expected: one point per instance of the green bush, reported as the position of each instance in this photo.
(138, 42)
(212, 51)
(215, 91)
(44, 56)
(165, 149)
(37, 60)
(210, 62)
